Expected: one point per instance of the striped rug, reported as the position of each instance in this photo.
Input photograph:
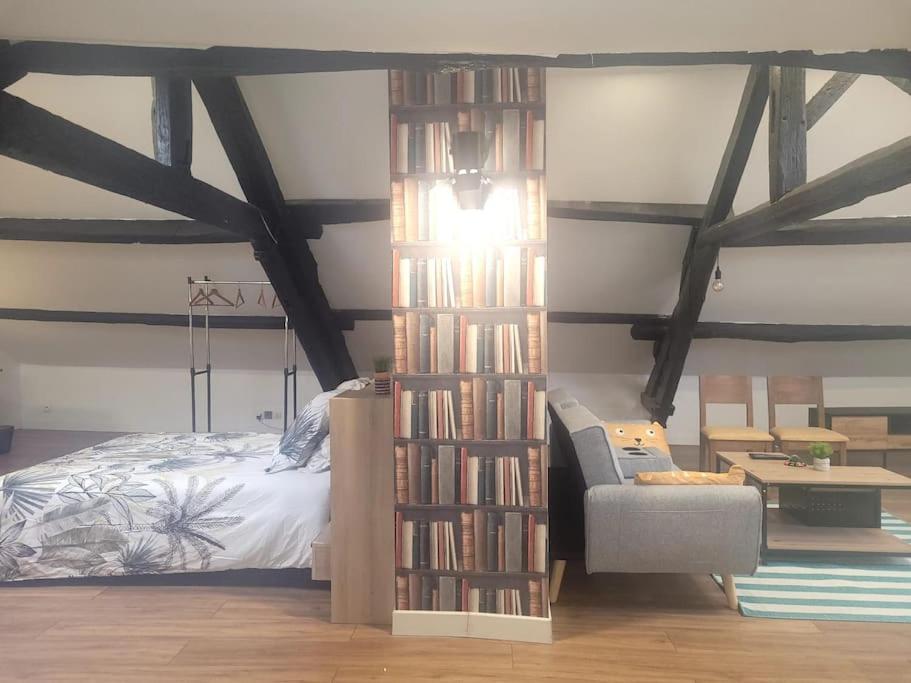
(823, 591)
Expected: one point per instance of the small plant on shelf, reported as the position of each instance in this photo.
(820, 452)
(382, 380)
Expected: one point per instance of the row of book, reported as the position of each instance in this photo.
(443, 343)
(500, 84)
(483, 541)
(427, 210)
(444, 475)
(453, 594)
(486, 412)
(513, 141)
(512, 276)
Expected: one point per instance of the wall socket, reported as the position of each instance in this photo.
(269, 415)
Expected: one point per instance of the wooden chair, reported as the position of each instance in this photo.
(727, 389)
(802, 391)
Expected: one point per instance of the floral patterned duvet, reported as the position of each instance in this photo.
(155, 503)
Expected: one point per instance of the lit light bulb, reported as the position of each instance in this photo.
(717, 284)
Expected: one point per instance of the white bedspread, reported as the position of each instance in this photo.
(156, 503)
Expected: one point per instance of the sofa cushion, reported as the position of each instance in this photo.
(733, 477)
(598, 462)
(635, 460)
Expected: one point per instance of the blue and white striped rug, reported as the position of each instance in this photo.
(824, 591)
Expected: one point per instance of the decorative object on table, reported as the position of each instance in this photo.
(795, 461)
(6, 438)
(382, 380)
(634, 436)
(820, 452)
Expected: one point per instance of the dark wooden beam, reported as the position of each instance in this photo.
(699, 260)
(312, 214)
(903, 83)
(172, 121)
(779, 332)
(37, 137)
(595, 318)
(346, 318)
(841, 231)
(285, 256)
(8, 73)
(828, 95)
(78, 59)
(627, 212)
(101, 231)
(787, 130)
(885, 169)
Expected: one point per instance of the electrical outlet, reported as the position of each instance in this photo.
(267, 414)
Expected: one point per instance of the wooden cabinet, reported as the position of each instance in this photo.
(361, 559)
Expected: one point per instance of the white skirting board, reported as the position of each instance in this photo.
(471, 625)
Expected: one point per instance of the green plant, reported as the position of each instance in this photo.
(382, 363)
(820, 450)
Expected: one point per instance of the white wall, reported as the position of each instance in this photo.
(10, 403)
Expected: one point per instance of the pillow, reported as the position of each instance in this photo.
(733, 477)
(633, 436)
(304, 435)
(319, 461)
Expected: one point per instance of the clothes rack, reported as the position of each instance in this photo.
(205, 287)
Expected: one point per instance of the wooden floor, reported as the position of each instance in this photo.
(607, 628)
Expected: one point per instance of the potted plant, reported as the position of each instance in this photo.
(382, 380)
(820, 452)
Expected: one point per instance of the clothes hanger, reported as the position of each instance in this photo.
(239, 299)
(200, 299)
(274, 299)
(218, 295)
(262, 296)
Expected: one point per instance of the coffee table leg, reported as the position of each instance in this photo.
(764, 548)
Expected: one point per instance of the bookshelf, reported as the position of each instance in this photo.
(470, 337)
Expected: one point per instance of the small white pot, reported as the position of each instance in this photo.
(821, 464)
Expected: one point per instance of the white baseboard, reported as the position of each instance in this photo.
(471, 625)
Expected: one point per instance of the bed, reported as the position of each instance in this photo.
(160, 503)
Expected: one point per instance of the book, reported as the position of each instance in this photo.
(534, 343)
(512, 395)
(412, 343)
(445, 343)
(401, 474)
(534, 476)
(513, 542)
(467, 530)
(466, 409)
(446, 470)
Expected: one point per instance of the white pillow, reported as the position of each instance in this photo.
(308, 430)
(319, 460)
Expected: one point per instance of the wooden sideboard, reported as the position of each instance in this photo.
(362, 490)
(871, 428)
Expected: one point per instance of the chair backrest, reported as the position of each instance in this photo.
(800, 390)
(725, 389)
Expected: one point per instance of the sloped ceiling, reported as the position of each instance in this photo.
(470, 25)
(622, 134)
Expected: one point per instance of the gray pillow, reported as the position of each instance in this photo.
(308, 430)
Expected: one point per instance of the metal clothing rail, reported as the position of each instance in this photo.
(289, 372)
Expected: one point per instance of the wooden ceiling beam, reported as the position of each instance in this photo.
(627, 212)
(778, 332)
(37, 137)
(79, 59)
(284, 255)
(172, 121)
(881, 171)
(902, 83)
(839, 231)
(114, 231)
(828, 95)
(699, 259)
(787, 130)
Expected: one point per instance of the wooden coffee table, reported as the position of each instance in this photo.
(784, 534)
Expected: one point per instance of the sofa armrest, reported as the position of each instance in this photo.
(674, 529)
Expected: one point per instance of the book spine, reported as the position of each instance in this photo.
(424, 347)
(466, 409)
(401, 475)
(425, 475)
(534, 476)
(467, 523)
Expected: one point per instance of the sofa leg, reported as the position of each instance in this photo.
(556, 578)
(730, 590)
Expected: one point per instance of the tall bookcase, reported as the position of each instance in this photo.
(470, 340)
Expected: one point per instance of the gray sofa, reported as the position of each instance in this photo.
(629, 528)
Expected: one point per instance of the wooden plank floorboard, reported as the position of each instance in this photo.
(649, 628)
